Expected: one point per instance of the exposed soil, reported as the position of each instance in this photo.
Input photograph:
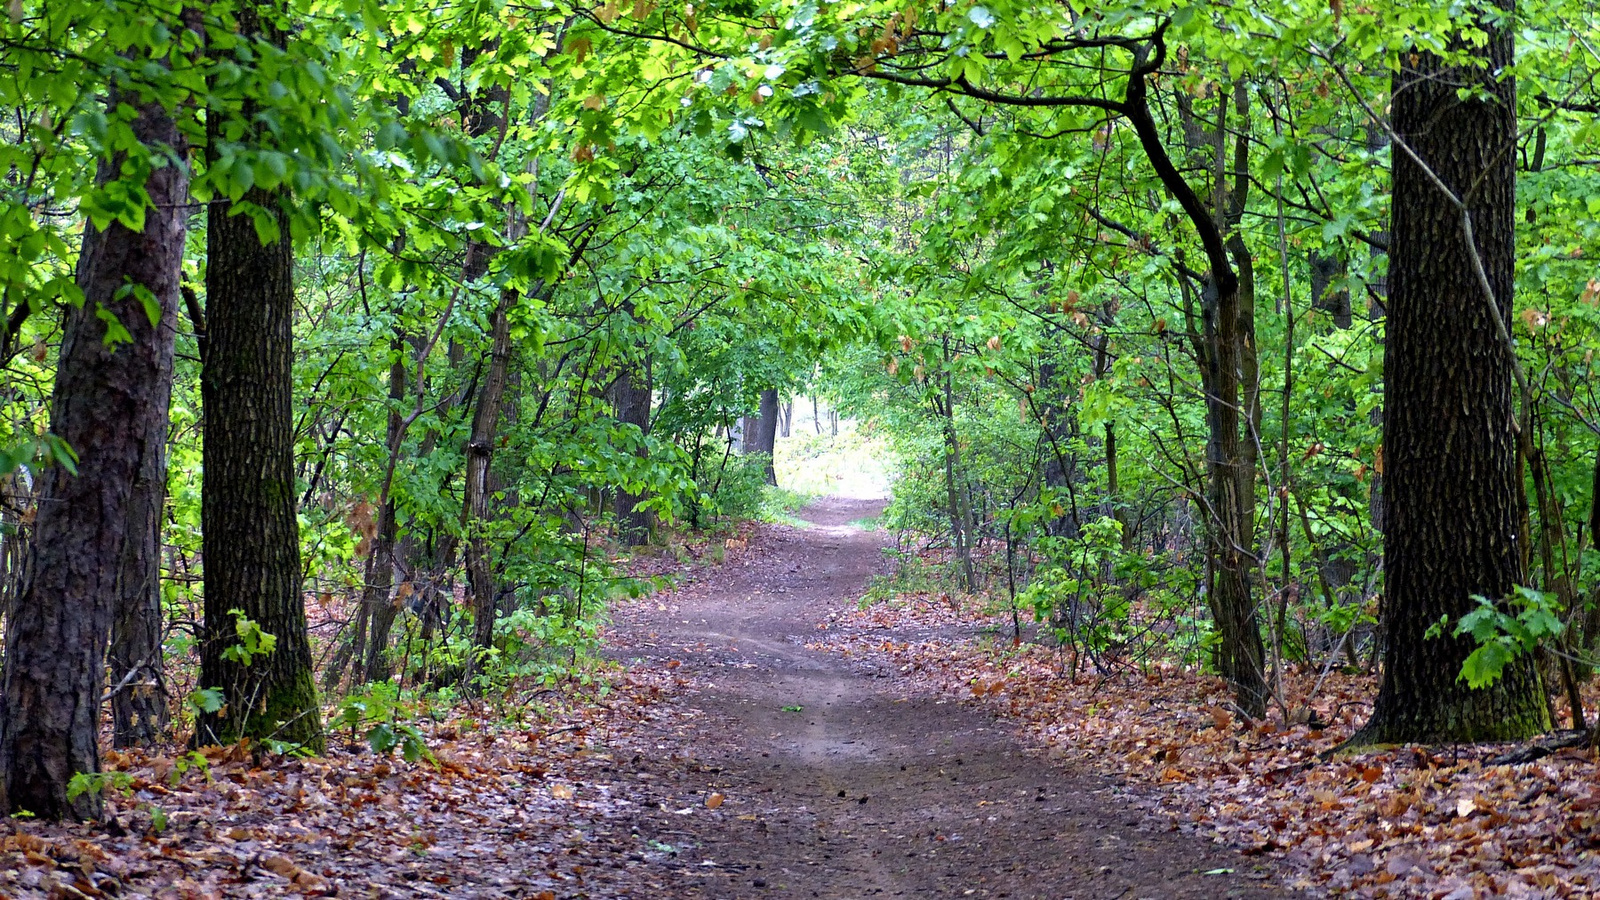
(836, 780)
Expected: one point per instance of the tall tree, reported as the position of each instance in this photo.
(765, 439)
(92, 534)
(251, 534)
(1453, 492)
(632, 392)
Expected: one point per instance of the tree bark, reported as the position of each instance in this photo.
(632, 393)
(251, 533)
(1225, 349)
(139, 710)
(767, 432)
(110, 405)
(1454, 493)
(1325, 270)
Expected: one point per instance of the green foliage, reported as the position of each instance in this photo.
(98, 783)
(1503, 631)
(206, 700)
(253, 642)
(376, 712)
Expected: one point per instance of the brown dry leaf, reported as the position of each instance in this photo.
(714, 801)
(281, 865)
(1221, 719)
(562, 791)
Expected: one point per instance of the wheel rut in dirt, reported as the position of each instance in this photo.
(836, 783)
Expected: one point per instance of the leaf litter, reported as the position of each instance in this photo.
(540, 811)
(1435, 822)
(551, 808)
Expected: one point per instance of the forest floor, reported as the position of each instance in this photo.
(833, 778)
(764, 735)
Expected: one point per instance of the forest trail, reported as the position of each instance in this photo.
(837, 783)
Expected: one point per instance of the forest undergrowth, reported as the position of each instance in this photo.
(502, 800)
(1413, 821)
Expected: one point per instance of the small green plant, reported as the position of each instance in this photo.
(253, 642)
(193, 761)
(121, 783)
(206, 700)
(376, 712)
(794, 709)
(98, 784)
(1504, 631)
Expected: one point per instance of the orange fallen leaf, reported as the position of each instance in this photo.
(714, 801)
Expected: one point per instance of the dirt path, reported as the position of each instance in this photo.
(837, 785)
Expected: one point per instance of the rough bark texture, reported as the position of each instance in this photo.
(110, 405)
(1454, 494)
(139, 700)
(251, 542)
(632, 394)
(767, 431)
(1230, 497)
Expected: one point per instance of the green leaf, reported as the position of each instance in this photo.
(382, 738)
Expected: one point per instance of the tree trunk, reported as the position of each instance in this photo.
(110, 406)
(251, 534)
(1230, 496)
(477, 490)
(1230, 377)
(766, 437)
(1225, 349)
(1335, 301)
(1454, 493)
(960, 514)
(139, 712)
(632, 393)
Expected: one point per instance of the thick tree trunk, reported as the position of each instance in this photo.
(766, 436)
(632, 394)
(139, 711)
(251, 533)
(1454, 493)
(1335, 301)
(110, 406)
